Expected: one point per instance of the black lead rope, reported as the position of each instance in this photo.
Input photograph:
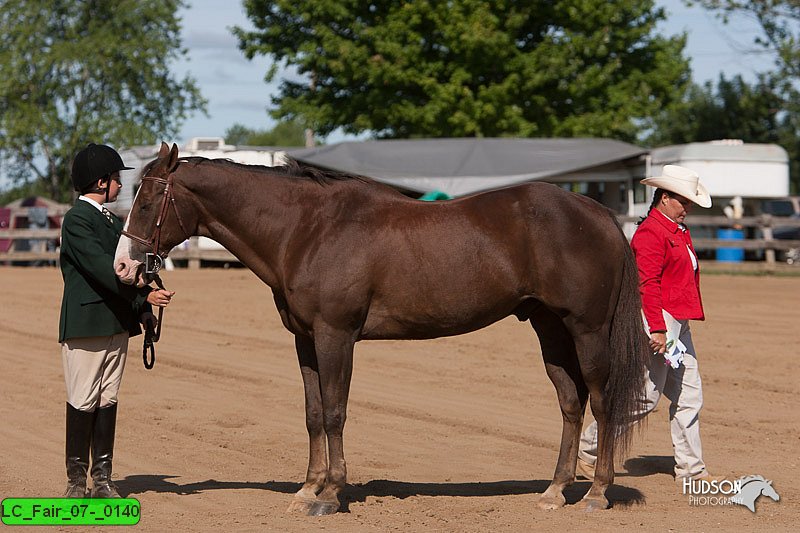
(151, 335)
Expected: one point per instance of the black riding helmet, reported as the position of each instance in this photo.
(94, 162)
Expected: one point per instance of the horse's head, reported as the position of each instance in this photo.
(769, 491)
(751, 488)
(154, 225)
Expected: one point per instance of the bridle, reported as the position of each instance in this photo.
(154, 260)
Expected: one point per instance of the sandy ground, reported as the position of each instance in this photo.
(456, 434)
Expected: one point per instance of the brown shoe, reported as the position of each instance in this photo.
(685, 487)
(585, 469)
(705, 476)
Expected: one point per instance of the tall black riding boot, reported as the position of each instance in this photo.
(79, 435)
(103, 452)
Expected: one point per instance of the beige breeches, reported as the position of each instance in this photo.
(93, 369)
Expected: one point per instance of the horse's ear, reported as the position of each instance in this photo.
(172, 162)
(164, 150)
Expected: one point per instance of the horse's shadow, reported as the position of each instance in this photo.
(619, 495)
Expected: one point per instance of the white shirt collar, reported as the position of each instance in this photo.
(92, 202)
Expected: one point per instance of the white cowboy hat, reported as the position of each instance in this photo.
(683, 181)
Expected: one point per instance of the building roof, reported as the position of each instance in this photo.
(465, 165)
(723, 150)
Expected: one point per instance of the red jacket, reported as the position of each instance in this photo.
(666, 277)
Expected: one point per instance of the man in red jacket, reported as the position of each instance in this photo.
(669, 282)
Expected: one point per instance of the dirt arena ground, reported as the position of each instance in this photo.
(456, 434)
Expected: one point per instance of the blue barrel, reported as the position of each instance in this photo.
(730, 255)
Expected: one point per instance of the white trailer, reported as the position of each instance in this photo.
(728, 168)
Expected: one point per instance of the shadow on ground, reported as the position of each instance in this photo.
(621, 496)
(648, 465)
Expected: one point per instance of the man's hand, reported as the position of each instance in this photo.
(160, 297)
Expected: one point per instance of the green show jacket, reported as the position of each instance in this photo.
(95, 302)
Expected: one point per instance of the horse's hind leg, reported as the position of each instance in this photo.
(590, 348)
(561, 364)
(306, 497)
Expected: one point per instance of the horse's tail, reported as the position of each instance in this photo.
(628, 353)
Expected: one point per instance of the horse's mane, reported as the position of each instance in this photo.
(292, 168)
(148, 166)
(748, 479)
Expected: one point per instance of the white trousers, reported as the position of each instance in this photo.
(683, 388)
(93, 369)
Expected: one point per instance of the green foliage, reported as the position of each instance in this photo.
(23, 190)
(466, 68)
(731, 110)
(780, 24)
(79, 71)
(289, 133)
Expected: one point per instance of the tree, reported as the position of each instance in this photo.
(779, 21)
(468, 67)
(283, 134)
(731, 110)
(79, 71)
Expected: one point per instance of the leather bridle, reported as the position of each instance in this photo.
(154, 260)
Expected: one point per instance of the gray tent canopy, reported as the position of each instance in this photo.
(466, 165)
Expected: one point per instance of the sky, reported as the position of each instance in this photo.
(237, 93)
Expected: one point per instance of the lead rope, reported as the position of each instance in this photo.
(151, 336)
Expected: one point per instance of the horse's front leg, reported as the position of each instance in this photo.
(306, 497)
(561, 364)
(334, 350)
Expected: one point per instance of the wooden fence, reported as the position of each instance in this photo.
(760, 231)
(38, 239)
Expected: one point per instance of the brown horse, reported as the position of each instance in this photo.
(348, 259)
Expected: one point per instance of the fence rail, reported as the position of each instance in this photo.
(763, 227)
(762, 238)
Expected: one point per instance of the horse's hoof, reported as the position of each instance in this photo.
(548, 503)
(323, 508)
(592, 504)
(301, 506)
